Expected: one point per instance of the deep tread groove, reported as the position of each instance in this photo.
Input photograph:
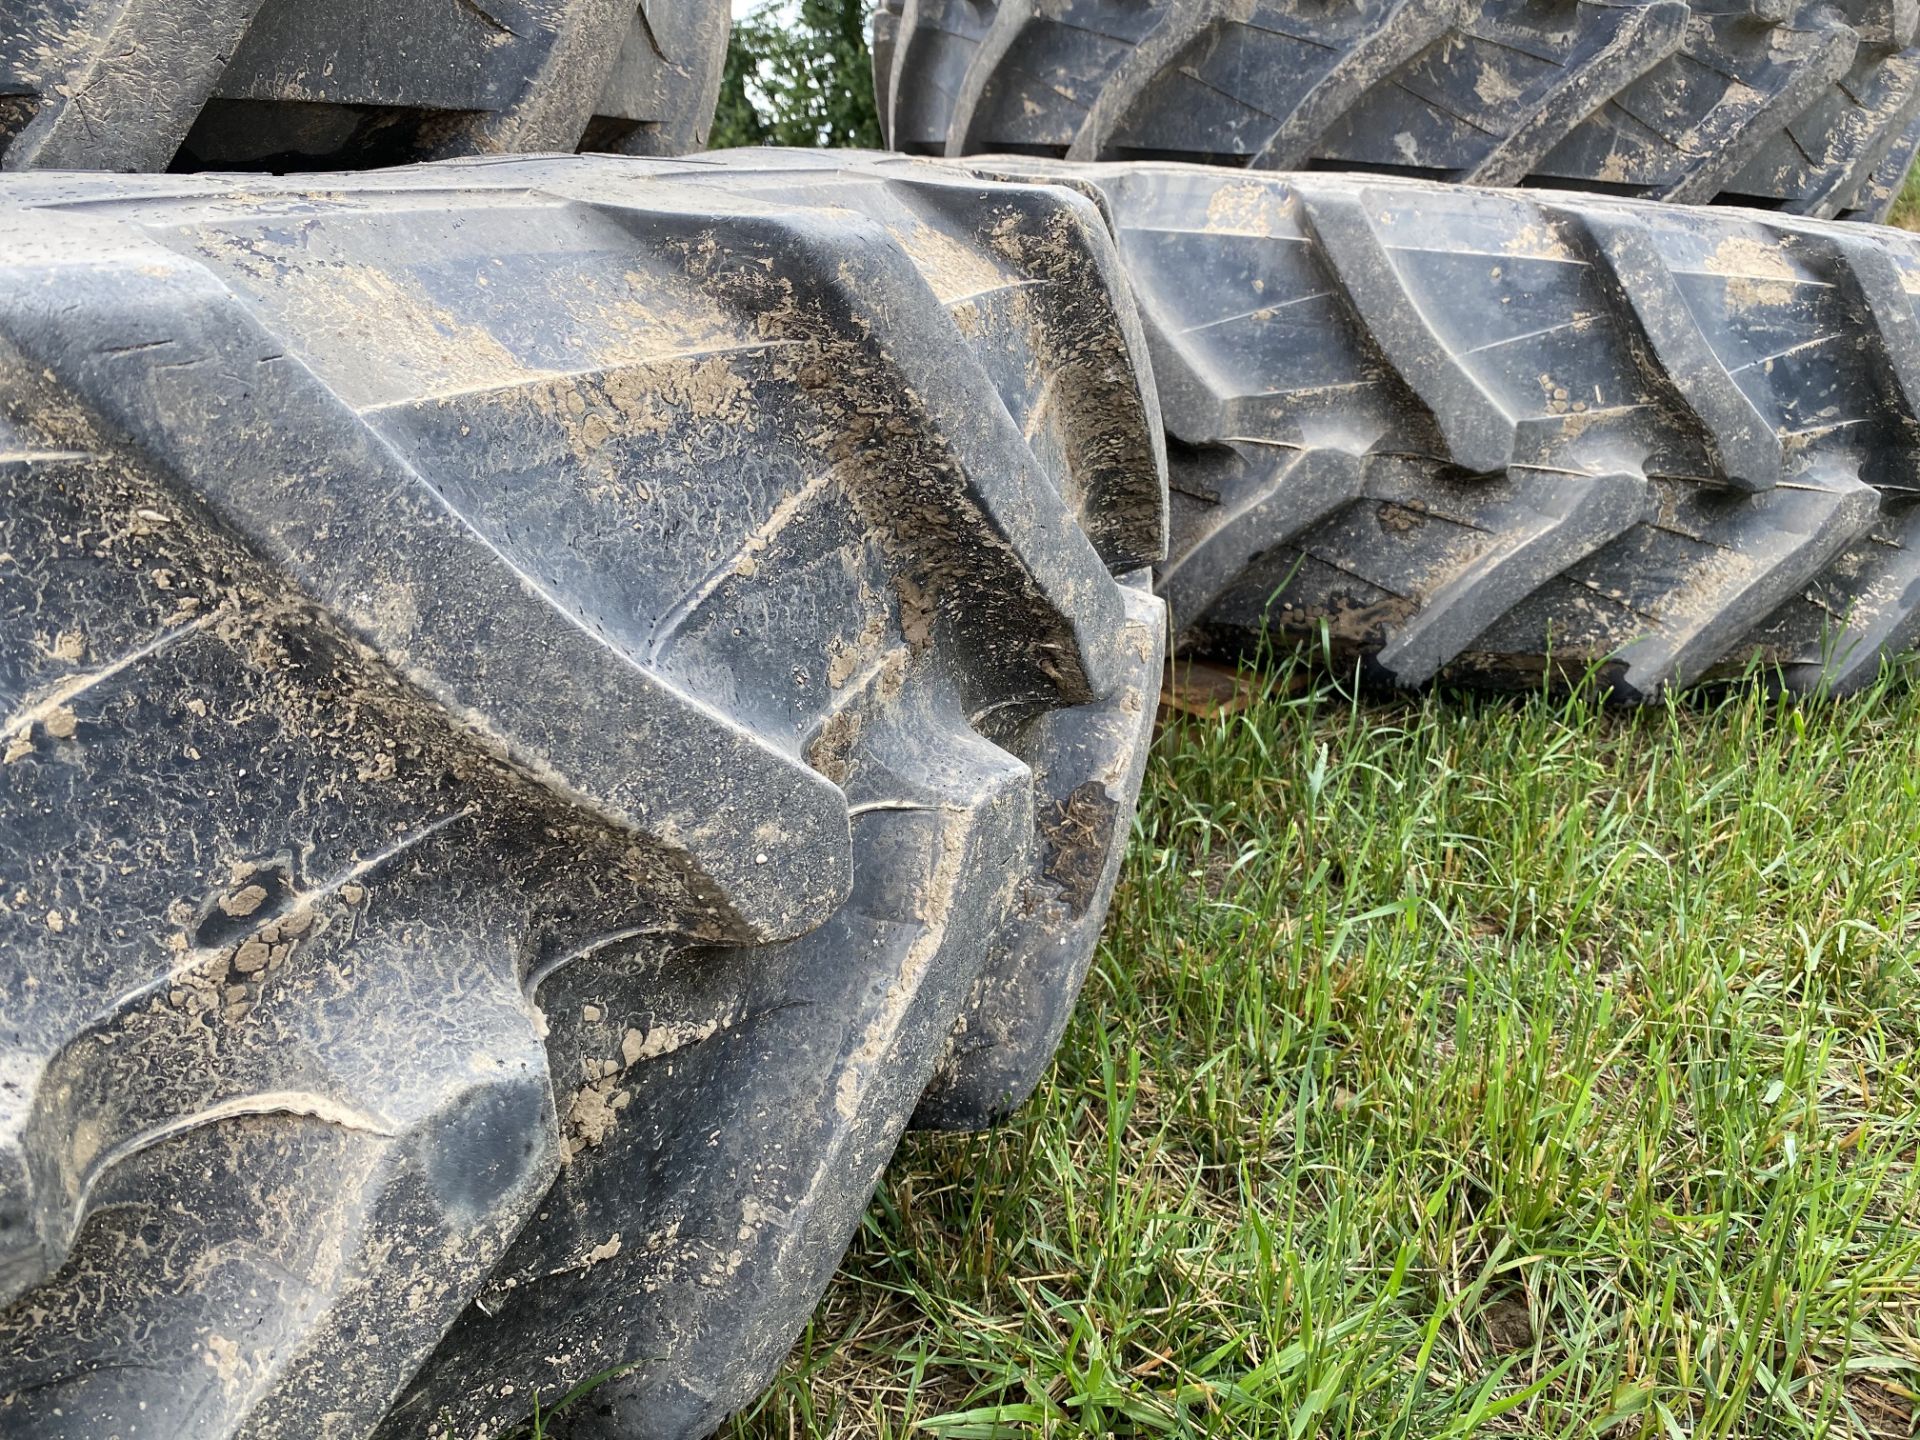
(1137, 72)
(1550, 522)
(1479, 432)
(1745, 442)
(1225, 537)
(1805, 526)
(1641, 37)
(126, 101)
(1731, 134)
(1408, 27)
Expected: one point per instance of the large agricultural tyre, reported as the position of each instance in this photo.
(1794, 104)
(310, 84)
(1479, 436)
(551, 706)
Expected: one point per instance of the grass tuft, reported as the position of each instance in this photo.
(1906, 205)
(1451, 1066)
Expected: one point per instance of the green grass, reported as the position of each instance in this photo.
(1906, 205)
(1450, 1067)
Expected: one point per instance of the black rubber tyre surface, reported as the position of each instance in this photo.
(302, 85)
(1474, 435)
(550, 707)
(1801, 104)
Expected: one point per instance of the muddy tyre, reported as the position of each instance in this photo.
(1795, 104)
(1474, 436)
(551, 708)
(296, 85)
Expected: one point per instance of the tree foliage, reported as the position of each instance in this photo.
(799, 74)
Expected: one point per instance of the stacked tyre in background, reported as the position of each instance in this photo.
(1803, 105)
(299, 85)
(1485, 436)
(552, 708)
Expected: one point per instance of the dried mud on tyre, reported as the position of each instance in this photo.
(301, 85)
(1799, 104)
(1478, 436)
(551, 707)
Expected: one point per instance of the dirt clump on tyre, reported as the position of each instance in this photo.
(1477, 437)
(552, 706)
(1801, 105)
(295, 85)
